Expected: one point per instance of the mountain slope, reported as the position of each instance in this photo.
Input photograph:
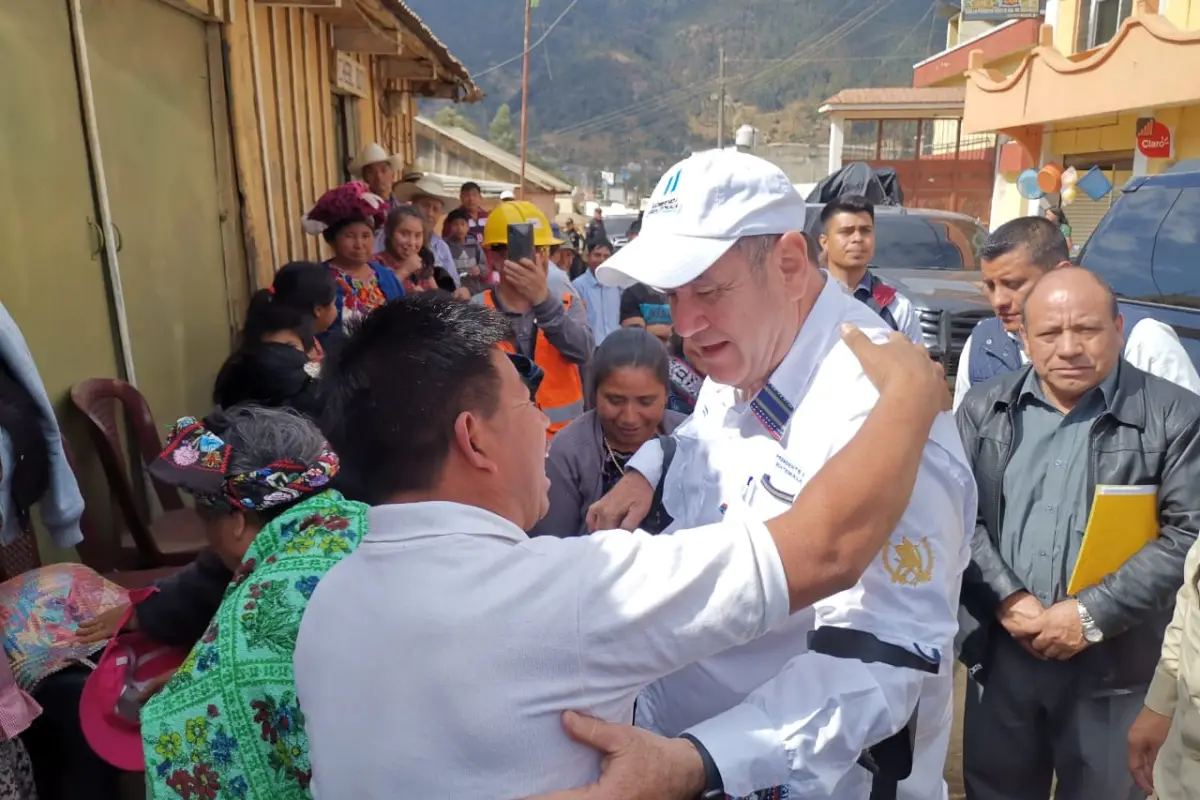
(636, 80)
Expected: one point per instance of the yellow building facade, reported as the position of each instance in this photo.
(1075, 98)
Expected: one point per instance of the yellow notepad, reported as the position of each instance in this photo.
(1123, 519)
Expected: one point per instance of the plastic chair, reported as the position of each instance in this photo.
(177, 535)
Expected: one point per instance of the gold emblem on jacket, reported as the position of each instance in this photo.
(909, 563)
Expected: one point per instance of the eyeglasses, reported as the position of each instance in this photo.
(530, 372)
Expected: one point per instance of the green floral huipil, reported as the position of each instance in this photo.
(228, 724)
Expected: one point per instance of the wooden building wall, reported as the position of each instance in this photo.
(281, 62)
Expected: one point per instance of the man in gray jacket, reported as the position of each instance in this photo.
(1057, 680)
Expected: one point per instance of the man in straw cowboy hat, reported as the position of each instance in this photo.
(379, 171)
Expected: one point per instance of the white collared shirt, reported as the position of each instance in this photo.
(770, 712)
(1152, 346)
(436, 660)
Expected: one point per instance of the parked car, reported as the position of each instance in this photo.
(617, 227)
(1147, 247)
(932, 258)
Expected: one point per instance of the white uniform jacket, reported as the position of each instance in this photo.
(770, 712)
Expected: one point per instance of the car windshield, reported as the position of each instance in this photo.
(919, 241)
(904, 241)
(618, 226)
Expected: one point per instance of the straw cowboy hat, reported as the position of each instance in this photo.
(418, 184)
(374, 154)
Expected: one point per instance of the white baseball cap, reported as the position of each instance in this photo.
(699, 209)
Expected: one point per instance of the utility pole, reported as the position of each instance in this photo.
(525, 94)
(721, 103)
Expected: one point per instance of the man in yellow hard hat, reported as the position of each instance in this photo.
(549, 321)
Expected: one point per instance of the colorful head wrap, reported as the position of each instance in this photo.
(197, 461)
(350, 201)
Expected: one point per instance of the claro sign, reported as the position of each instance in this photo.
(1153, 138)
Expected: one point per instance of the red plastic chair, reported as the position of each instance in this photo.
(177, 535)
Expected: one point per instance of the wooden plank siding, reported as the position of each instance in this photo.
(281, 72)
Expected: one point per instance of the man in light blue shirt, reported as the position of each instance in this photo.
(603, 302)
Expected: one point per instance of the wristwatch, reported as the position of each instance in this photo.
(1091, 631)
(714, 787)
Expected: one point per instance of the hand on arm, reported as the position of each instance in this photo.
(638, 765)
(624, 507)
(845, 513)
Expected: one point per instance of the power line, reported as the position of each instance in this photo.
(907, 36)
(521, 54)
(663, 101)
(817, 44)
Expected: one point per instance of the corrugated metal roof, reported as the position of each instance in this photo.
(446, 59)
(898, 95)
(533, 175)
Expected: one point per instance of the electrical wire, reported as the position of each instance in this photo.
(683, 93)
(814, 46)
(521, 54)
(904, 41)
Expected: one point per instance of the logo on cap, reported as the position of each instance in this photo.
(667, 204)
(672, 183)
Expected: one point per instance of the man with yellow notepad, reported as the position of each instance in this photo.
(1062, 631)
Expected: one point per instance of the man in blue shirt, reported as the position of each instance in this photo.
(603, 302)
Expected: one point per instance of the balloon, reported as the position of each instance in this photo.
(1068, 195)
(1070, 177)
(1050, 178)
(1027, 185)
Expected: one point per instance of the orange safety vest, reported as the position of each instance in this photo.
(560, 396)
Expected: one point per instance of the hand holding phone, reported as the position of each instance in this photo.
(520, 241)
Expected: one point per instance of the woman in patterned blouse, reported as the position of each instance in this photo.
(346, 217)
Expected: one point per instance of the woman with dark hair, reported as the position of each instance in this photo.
(1059, 217)
(406, 253)
(347, 217)
(277, 361)
(628, 388)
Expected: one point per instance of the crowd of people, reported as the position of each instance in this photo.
(692, 522)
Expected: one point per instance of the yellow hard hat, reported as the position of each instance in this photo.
(514, 212)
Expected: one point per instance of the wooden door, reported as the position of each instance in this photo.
(151, 82)
(52, 276)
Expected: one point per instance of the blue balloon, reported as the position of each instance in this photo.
(1027, 185)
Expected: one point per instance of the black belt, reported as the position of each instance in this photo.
(891, 760)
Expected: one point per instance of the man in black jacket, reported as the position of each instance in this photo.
(1057, 680)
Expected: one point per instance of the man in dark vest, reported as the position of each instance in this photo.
(848, 240)
(1013, 259)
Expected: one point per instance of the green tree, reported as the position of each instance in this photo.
(449, 117)
(500, 132)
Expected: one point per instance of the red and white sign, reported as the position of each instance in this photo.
(1154, 138)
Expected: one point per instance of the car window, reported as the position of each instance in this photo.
(911, 242)
(1120, 248)
(1177, 249)
(617, 226)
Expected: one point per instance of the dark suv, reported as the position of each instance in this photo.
(932, 258)
(1148, 248)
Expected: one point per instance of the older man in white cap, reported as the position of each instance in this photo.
(826, 707)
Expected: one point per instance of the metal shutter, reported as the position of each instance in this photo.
(1085, 214)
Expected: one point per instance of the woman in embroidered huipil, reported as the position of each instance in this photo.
(347, 217)
(227, 725)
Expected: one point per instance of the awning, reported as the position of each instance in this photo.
(1149, 64)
